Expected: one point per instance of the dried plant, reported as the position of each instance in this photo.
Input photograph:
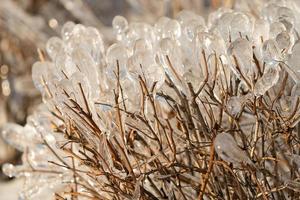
(180, 110)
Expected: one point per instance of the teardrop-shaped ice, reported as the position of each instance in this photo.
(293, 67)
(242, 55)
(44, 75)
(53, 47)
(94, 39)
(286, 16)
(36, 156)
(228, 150)
(275, 29)
(261, 31)
(296, 90)
(173, 29)
(120, 24)
(170, 51)
(269, 12)
(116, 54)
(154, 74)
(284, 41)
(18, 136)
(240, 26)
(268, 80)
(66, 30)
(131, 93)
(139, 30)
(271, 52)
(65, 64)
(87, 66)
(142, 45)
(160, 25)
(186, 16)
(192, 28)
(9, 170)
(287, 105)
(234, 105)
(223, 25)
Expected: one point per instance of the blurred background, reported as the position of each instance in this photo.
(25, 25)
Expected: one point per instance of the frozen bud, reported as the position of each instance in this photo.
(78, 30)
(94, 39)
(241, 26)
(234, 105)
(170, 49)
(18, 136)
(286, 17)
(276, 28)
(241, 51)
(261, 31)
(120, 24)
(293, 67)
(241, 48)
(161, 24)
(138, 31)
(185, 16)
(9, 170)
(191, 28)
(154, 74)
(131, 93)
(228, 150)
(66, 30)
(65, 64)
(296, 90)
(223, 25)
(270, 12)
(287, 104)
(173, 29)
(53, 47)
(44, 76)
(37, 158)
(142, 45)
(271, 52)
(116, 52)
(268, 80)
(284, 41)
(87, 66)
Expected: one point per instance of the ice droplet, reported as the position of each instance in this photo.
(53, 47)
(44, 74)
(241, 50)
(283, 40)
(234, 105)
(268, 80)
(271, 52)
(173, 29)
(241, 26)
(120, 24)
(228, 150)
(261, 30)
(293, 67)
(14, 135)
(275, 29)
(66, 30)
(9, 170)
